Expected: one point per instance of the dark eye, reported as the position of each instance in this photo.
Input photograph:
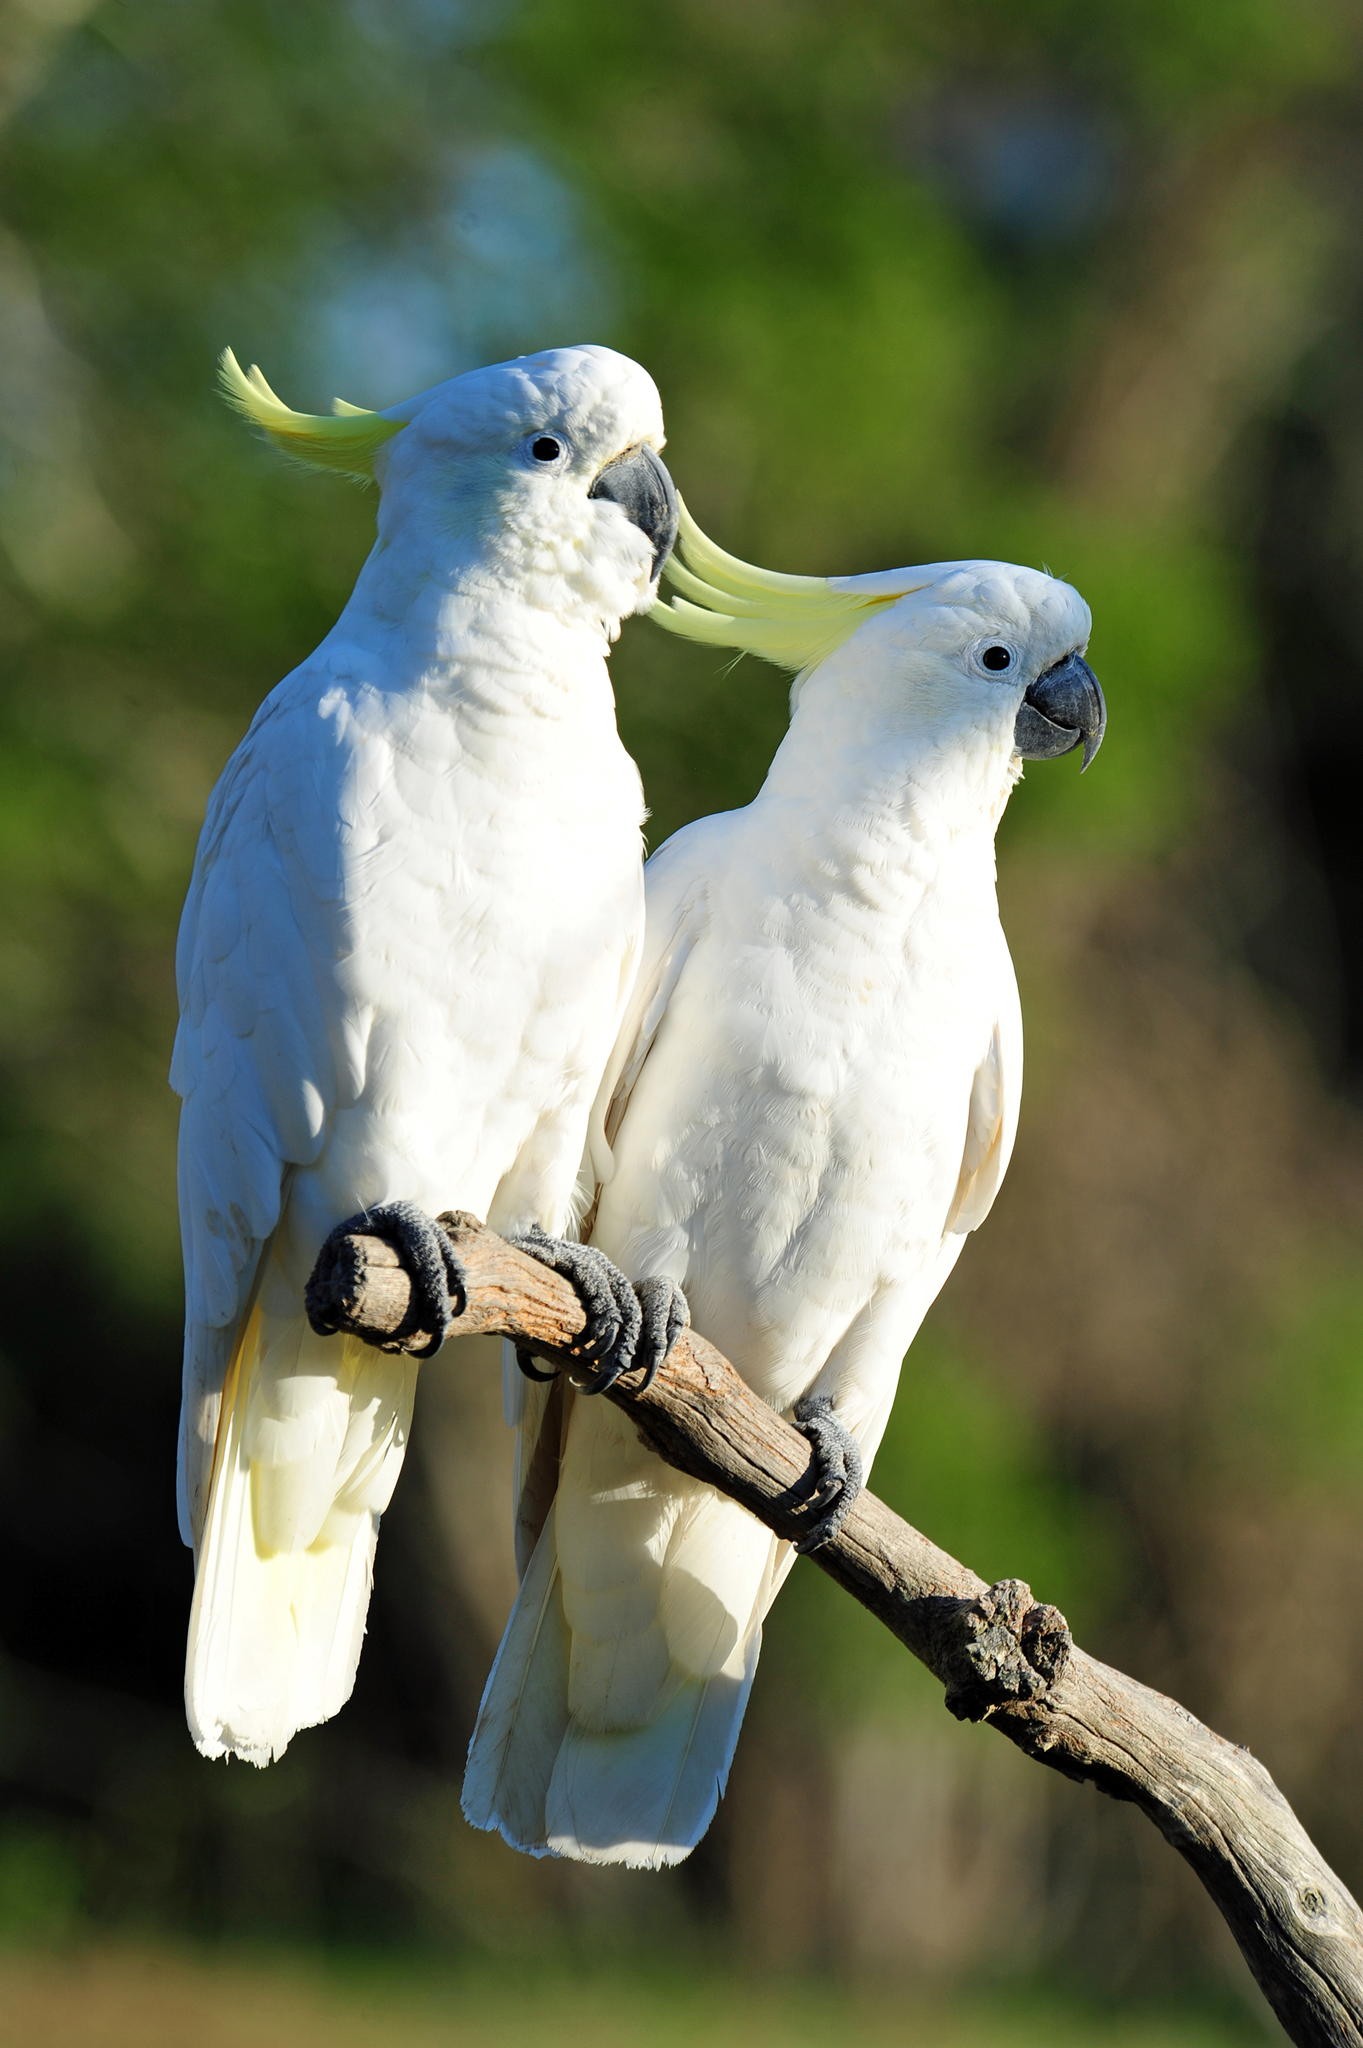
(545, 448)
(997, 658)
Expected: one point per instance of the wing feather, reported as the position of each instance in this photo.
(992, 1122)
(254, 1060)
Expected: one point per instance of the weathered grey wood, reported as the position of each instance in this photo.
(1001, 1657)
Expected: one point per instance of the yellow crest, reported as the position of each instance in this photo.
(792, 621)
(347, 441)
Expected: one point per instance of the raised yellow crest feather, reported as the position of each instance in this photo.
(346, 441)
(792, 621)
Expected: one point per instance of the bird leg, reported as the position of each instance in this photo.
(439, 1286)
(836, 1474)
(627, 1329)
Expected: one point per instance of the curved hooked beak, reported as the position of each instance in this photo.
(639, 484)
(1062, 709)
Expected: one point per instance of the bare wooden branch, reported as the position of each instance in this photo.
(1002, 1658)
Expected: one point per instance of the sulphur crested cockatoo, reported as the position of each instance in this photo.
(412, 929)
(813, 1101)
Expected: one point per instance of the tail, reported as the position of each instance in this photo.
(613, 1710)
(310, 1441)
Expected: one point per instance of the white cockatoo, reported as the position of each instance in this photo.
(812, 1103)
(413, 926)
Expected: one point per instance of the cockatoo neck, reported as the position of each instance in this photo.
(445, 613)
(919, 760)
(577, 561)
(412, 586)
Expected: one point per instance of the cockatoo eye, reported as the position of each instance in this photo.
(546, 448)
(993, 657)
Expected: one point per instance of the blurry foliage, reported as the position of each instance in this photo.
(126, 1998)
(1056, 283)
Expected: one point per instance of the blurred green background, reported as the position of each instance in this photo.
(1071, 285)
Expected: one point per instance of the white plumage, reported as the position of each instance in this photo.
(411, 931)
(813, 1101)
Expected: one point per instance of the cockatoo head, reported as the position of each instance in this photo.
(984, 649)
(987, 648)
(541, 474)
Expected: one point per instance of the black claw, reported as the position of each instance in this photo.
(439, 1286)
(597, 1381)
(525, 1360)
(836, 1474)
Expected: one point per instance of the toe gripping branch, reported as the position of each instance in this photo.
(626, 1328)
(835, 1476)
(439, 1286)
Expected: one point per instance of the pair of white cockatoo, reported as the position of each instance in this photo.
(418, 949)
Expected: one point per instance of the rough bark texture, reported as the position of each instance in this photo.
(1001, 1657)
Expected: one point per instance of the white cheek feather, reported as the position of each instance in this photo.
(589, 562)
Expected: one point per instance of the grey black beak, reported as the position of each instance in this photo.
(639, 484)
(1062, 709)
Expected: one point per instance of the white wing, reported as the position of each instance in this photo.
(995, 1098)
(255, 1059)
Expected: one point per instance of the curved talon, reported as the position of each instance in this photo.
(836, 1474)
(525, 1361)
(598, 1381)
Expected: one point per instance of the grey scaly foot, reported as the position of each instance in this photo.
(609, 1344)
(836, 1473)
(605, 1347)
(665, 1316)
(664, 1313)
(439, 1284)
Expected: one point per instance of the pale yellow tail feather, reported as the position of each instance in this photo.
(639, 1796)
(275, 1635)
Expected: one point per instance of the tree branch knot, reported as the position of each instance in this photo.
(999, 1649)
